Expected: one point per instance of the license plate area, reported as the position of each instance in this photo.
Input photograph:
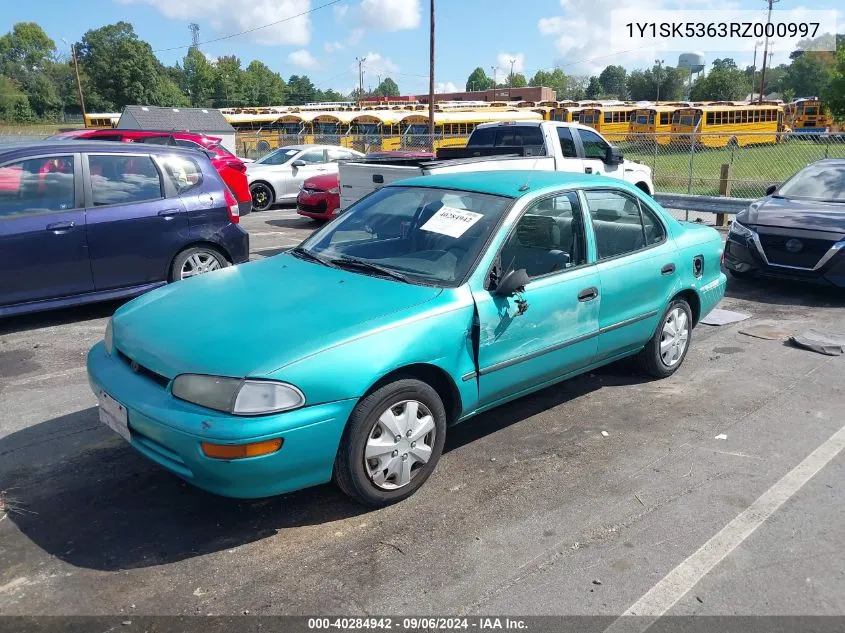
(114, 415)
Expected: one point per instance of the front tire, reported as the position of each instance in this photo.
(263, 196)
(392, 443)
(666, 350)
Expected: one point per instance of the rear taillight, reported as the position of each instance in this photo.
(236, 165)
(232, 203)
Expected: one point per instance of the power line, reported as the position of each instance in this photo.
(252, 30)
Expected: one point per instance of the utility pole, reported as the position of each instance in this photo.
(431, 79)
(765, 53)
(494, 69)
(510, 80)
(360, 61)
(78, 83)
(659, 63)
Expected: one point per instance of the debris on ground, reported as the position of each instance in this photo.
(721, 436)
(605, 434)
(829, 343)
(768, 330)
(596, 581)
(719, 316)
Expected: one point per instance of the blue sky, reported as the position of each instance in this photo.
(391, 34)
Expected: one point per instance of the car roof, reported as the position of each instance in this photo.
(83, 145)
(317, 146)
(511, 183)
(533, 123)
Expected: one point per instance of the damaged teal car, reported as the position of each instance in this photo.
(429, 301)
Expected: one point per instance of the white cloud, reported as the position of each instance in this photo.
(582, 33)
(445, 87)
(303, 59)
(226, 17)
(340, 11)
(355, 36)
(376, 65)
(331, 47)
(503, 61)
(389, 15)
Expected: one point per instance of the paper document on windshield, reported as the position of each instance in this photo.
(451, 221)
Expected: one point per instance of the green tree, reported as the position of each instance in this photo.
(808, 75)
(478, 80)
(387, 88)
(329, 95)
(199, 78)
(26, 44)
(554, 79)
(834, 94)
(724, 82)
(228, 82)
(300, 90)
(121, 68)
(14, 105)
(612, 80)
(576, 89)
(518, 81)
(262, 86)
(593, 88)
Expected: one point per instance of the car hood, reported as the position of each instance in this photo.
(795, 214)
(323, 182)
(252, 319)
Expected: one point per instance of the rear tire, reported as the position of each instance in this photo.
(666, 350)
(263, 196)
(392, 442)
(195, 261)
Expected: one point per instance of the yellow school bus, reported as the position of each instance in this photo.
(567, 113)
(721, 125)
(452, 129)
(656, 121)
(612, 122)
(807, 116)
(101, 120)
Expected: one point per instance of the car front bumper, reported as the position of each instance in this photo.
(320, 205)
(746, 255)
(169, 431)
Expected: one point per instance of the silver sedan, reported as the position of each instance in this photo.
(277, 176)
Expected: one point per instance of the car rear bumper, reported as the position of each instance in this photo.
(169, 431)
(236, 242)
(745, 256)
(244, 208)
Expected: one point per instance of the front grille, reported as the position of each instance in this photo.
(320, 207)
(143, 371)
(812, 250)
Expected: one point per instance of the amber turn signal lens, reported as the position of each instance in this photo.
(240, 451)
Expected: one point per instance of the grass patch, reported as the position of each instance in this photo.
(753, 168)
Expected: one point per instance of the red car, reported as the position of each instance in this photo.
(231, 168)
(319, 196)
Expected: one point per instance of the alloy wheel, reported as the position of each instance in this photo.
(199, 263)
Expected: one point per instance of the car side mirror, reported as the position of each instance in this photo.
(771, 189)
(613, 155)
(512, 282)
(298, 163)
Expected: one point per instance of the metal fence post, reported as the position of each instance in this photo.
(691, 167)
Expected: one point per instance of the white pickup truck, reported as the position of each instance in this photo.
(543, 145)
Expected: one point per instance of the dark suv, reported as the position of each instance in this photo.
(84, 221)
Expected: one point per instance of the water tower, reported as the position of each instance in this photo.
(694, 62)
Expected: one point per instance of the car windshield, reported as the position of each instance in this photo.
(429, 236)
(816, 182)
(279, 157)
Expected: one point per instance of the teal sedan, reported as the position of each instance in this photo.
(429, 301)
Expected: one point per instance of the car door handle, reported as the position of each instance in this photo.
(667, 269)
(61, 227)
(588, 170)
(168, 214)
(588, 294)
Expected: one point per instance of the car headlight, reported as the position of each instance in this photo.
(108, 337)
(237, 396)
(740, 230)
(334, 190)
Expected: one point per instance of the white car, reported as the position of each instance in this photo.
(276, 177)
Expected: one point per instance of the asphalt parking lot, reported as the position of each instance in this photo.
(532, 509)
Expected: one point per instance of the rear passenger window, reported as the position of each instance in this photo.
(567, 145)
(621, 224)
(37, 185)
(548, 238)
(119, 179)
(184, 173)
